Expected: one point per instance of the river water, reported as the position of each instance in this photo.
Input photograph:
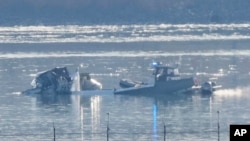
(112, 52)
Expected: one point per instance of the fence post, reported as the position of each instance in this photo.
(108, 128)
(218, 112)
(164, 132)
(54, 131)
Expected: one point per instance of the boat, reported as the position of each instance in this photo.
(209, 87)
(127, 83)
(166, 80)
(56, 80)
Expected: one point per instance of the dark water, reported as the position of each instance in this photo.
(82, 116)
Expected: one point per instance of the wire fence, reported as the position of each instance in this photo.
(102, 136)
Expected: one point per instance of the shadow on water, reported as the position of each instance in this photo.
(65, 99)
(85, 98)
(54, 99)
(165, 99)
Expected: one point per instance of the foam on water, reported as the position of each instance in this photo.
(123, 54)
(123, 33)
(16, 93)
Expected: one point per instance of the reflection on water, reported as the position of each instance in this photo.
(155, 121)
(193, 116)
(95, 111)
(229, 93)
(54, 99)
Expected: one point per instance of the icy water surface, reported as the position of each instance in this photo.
(83, 117)
(123, 33)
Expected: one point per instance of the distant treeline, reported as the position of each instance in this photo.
(15, 12)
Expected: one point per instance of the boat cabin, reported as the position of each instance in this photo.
(166, 73)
